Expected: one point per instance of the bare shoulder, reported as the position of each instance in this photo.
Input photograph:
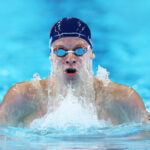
(118, 91)
(122, 102)
(16, 90)
(11, 108)
(21, 100)
(27, 89)
(132, 98)
(126, 93)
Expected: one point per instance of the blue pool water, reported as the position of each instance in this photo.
(121, 137)
(121, 35)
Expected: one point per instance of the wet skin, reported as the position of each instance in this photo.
(28, 100)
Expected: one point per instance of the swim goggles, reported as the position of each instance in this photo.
(79, 51)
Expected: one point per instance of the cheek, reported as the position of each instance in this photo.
(86, 62)
(58, 60)
(85, 59)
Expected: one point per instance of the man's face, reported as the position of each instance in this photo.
(70, 66)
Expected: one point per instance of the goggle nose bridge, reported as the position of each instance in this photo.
(70, 52)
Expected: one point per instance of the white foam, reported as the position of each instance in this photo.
(103, 75)
(77, 111)
(36, 77)
(71, 112)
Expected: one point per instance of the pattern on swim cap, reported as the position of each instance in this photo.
(70, 27)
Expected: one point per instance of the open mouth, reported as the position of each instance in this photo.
(70, 72)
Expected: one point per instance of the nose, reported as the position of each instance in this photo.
(70, 60)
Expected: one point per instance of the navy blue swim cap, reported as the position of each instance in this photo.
(70, 27)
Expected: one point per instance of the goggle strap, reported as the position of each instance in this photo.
(52, 49)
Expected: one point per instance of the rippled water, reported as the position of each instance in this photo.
(121, 33)
(125, 136)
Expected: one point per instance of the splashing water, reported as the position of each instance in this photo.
(70, 113)
(36, 82)
(102, 74)
(36, 77)
(73, 106)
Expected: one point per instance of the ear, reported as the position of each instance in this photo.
(50, 57)
(92, 55)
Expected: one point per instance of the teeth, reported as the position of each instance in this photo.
(70, 70)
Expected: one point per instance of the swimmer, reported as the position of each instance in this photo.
(71, 56)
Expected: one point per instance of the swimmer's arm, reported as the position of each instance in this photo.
(15, 106)
(141, 114)
(125, 105)
(132, 107)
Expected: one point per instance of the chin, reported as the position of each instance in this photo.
(71, 76)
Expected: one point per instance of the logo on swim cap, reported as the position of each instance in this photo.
(70, 27)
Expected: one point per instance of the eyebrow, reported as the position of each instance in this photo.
(62, 46)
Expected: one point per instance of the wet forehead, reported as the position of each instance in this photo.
(70, 42)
